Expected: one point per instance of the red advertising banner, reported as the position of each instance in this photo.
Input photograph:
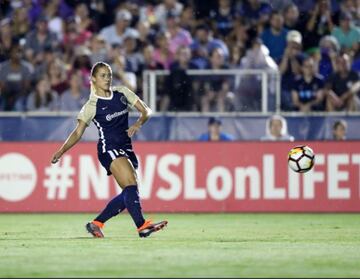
(184, 177)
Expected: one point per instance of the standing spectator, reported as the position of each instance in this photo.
(290, 67)
(43, 98)
(276, 129)
(163, 53)
(115, 33)
(342, 87)
(15, 79)
(76, 96)
(274, 37)
(339, 130)
(307, 93)
(178, 84)
(214, 132)
(347, 34)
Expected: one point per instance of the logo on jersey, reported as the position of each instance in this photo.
(124, 100)
(110, 117)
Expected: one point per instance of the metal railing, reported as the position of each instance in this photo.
(270, 86)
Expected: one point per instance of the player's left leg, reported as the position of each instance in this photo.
(126, 177)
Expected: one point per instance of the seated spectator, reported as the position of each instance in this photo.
(307, 93)
(256, 12)
(120, 75)
(132, 53)
(319, 23)
(291, 17)
(98, 48)
(178, 35)
(347, 34)
(43, 98)
(276, 129)
(76, 96)
(163, 53)
(6, 40)
(339, 130)
(20, 22)
(342, 87)
(178, 85)
(82, 14)
(214, 132)
(290, 67)
(115, 33)
(39, 39)
(217, 95)
(204, 42)
(168, 6)
(274, 37)
(329, 49)
(15, 79)
(148, 63)
(57, 75)
(223, 18)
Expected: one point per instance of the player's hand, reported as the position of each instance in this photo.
(56, 157)
(133, 129)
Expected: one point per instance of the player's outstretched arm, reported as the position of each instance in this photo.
(145, 115)
(73, 138)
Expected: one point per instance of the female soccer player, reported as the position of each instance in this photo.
(108, 108)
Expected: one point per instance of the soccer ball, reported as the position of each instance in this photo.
(301, 158)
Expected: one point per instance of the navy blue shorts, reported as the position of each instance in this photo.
(110, 155)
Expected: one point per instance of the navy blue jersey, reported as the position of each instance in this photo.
(307, 91)
(110, 115)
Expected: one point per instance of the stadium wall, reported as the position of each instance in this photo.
(184, 177)
(184, 128)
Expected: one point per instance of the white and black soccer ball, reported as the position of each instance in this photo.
(301, 158)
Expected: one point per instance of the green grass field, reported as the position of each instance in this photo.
(193, 245)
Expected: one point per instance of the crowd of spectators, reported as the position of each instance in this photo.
(47, 49)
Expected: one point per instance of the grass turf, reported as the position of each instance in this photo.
(193, 245)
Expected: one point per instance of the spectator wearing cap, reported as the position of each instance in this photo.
(115, 33)
(39, 39)
(347, 34)
(214, 132)
(290, 67)
(178, 35)
(274, 37)
(132, 52)
(98, 49)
